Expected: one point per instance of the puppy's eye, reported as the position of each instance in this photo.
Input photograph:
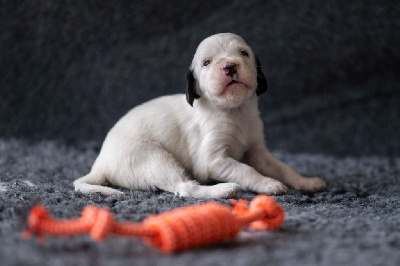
(206, 63)
(244, 53)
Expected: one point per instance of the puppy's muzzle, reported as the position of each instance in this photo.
(230, 69)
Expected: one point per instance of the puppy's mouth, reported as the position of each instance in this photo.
(233, 87)
(234, 82)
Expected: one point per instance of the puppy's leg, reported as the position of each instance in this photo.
(151, 166)
(218, 191)
(92, 183)
(264, 162)
(227, 169)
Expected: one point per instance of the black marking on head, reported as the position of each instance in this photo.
(262, 85)
(191, 88)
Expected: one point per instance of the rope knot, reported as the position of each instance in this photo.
(99, 222)
(273, 213)
(39, 213)
(240, 207)
(102, 225)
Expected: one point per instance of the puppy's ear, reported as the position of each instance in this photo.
(261, 80)
(191, 88)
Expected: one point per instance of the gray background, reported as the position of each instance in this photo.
(70, 69)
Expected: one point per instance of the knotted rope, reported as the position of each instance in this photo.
(173, 231)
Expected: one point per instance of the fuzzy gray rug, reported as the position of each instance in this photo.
(355, 221)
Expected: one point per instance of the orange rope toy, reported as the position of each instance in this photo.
(172, 231)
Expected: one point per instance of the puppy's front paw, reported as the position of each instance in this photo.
(225, 190)
(311, 184)
(271, 186)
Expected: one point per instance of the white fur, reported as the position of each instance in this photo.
(170, 145)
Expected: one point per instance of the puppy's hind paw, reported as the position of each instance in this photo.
(311, 184)
(271, 187)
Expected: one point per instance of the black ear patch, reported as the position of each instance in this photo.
(261, 80)
(191, 88)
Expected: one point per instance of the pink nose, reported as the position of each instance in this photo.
(230, 69)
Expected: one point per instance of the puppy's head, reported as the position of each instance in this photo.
(224, 71)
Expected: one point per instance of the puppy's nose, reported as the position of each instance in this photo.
(230, 69)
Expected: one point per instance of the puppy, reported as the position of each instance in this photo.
(215, 134)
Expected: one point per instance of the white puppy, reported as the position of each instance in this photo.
(180, 145)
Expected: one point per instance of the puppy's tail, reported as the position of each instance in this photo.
(92, 183)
